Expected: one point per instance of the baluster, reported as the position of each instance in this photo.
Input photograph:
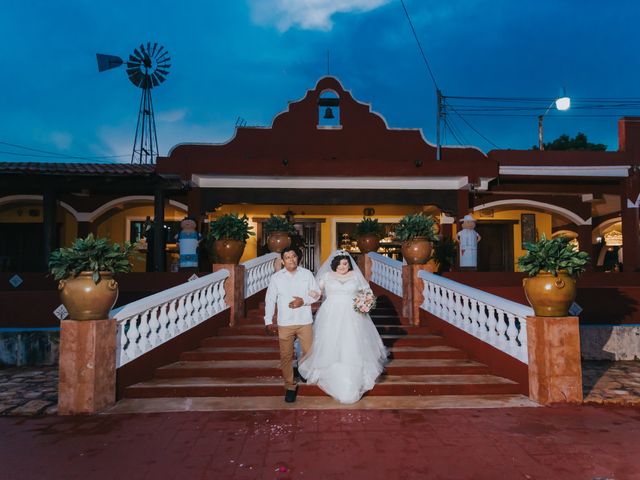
(182, 314)
(482, 321)
(143, 329)
(522, 343)
(451, 307)
(492, 336)
(210, 303)
(512, 334)
(457, 319)
(501, 330)
(133, 350)
(163, 320)
(202, 299)
(188, 305)
(220, 294)
(473, 316)
(154, 326)
(172, 331)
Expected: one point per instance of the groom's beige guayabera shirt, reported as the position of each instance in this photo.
(283, 286)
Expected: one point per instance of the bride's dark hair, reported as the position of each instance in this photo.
(337, 259)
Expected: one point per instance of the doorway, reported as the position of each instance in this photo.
(22, 247)
(495, 250)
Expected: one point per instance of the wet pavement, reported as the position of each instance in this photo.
(28, 391)
(568, 443)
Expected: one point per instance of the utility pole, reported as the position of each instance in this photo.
(438, 121)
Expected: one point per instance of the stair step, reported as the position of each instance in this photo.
(273, 353)
(390, 385)
(264, 368)
(264, 340)
(383, 328)
(408, 402)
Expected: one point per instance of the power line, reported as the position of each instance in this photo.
(415, 35)
(473, 128)
(50, 154)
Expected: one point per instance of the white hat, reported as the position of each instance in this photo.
(468, 218)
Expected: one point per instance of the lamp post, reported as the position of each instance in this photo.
(563, 103)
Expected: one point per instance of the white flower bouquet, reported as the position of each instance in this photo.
(365, 301)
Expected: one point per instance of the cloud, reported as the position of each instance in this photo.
(306, 14)
(172, 116)
(62, 140)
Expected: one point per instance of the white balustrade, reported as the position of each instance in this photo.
(258, 272)
(495, 320)
(386, 272)
(153, 320)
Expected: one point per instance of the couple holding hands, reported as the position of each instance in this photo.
(342, 351)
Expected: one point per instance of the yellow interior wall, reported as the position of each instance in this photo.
(543, 225)
(327, 212)
(114, 227)
(20, 214)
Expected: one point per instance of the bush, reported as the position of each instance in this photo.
(416, 225)
(369, 226)
(277, 223)
(552, 256)
(91, 254)
(230, 226)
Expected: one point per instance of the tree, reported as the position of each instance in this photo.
(580, 142)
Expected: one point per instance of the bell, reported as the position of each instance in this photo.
(328, 113)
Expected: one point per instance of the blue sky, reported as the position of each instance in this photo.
(247, 58)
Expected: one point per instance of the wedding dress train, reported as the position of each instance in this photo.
(347, 354)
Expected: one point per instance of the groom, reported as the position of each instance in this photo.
(289, 289)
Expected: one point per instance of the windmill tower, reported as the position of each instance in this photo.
(147, 67)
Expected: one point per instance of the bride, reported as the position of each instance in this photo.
(347, 354)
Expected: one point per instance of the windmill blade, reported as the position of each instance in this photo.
(155, 46)
(137, 54)
(107, 62)
(162, 72)
(161, 78)
(154, 81)
(133, 60)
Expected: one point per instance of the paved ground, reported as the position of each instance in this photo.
(33, 391)
(567, 443)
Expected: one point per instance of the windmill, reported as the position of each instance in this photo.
(147, 67)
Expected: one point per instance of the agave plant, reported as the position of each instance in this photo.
(91, 254)
(416, 225)
(230, 226)
(276, 223)
(553, 255)
(369, 226)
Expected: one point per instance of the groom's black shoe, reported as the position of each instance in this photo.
(290, 396)
(297, 376)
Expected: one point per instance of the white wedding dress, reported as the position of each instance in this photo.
(347, 354)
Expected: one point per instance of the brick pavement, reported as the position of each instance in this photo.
(568, 443)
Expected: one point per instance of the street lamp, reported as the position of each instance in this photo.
(563, 103)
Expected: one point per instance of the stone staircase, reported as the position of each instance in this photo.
(240, 367)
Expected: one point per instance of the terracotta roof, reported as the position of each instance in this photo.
(45, 168)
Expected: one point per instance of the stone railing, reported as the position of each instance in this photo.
(386, 272)
(258, 272)
(156, 319)
(495, 320)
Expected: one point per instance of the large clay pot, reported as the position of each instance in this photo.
(548, 295)
(278, 241)
(86, 300)
(416, 251)
(228, 251)
(368, 243)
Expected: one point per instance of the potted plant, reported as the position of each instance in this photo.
(552, 266)
(444, 253)
(279, 231)
(85, 273)
(227, 236)
(368, 232)
(416, 232)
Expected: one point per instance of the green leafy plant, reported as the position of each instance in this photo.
(416, 225)
(230, 226)
(277, 223)
(444, 253)
(91, 254)
(553, 255)
(368, 226)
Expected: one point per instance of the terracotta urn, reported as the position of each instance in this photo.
(550, 296)
(416, 251)
(278, 241)
(228, 251)
(86, 300)
(368, 243)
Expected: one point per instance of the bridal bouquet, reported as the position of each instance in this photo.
(365, 301)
